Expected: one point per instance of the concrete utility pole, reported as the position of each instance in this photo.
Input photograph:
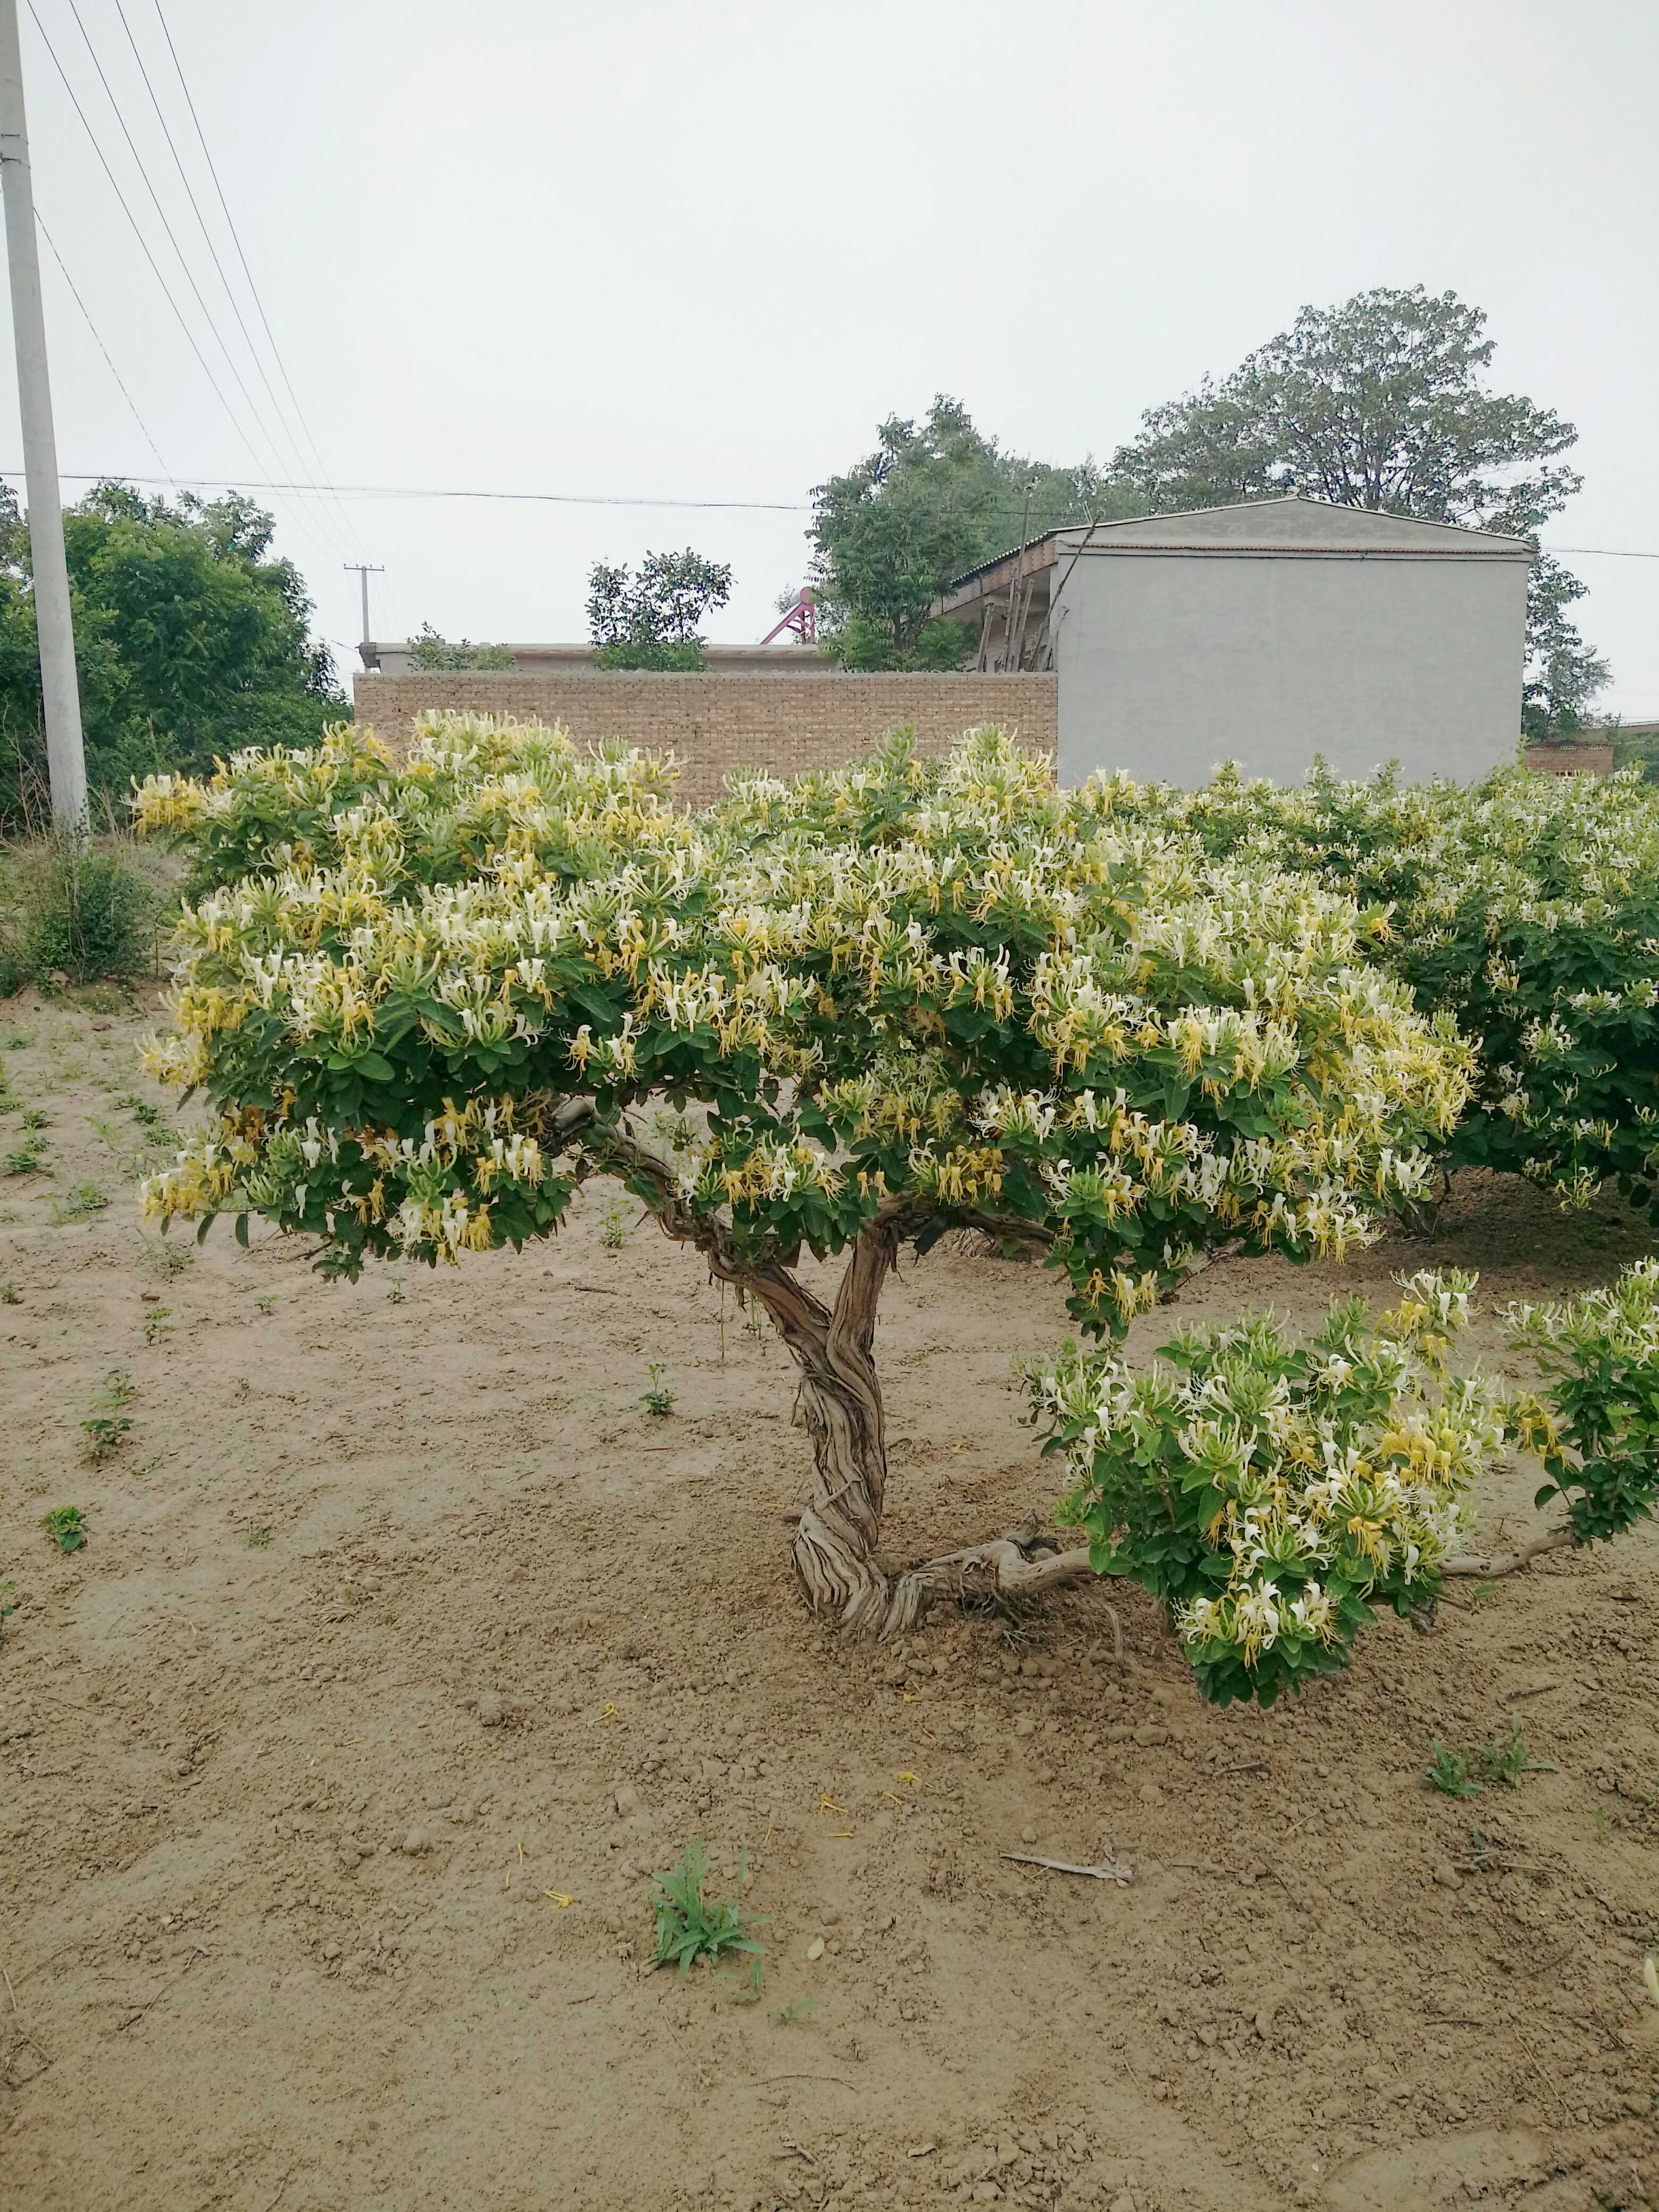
(364, 570)
(65, 752)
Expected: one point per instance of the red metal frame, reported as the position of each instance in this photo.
(801, 622)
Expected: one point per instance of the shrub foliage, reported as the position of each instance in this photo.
(1272, 1493)
(1526, 907)
(428, 998)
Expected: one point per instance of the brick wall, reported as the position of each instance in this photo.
(781, 723)
(1577, 758)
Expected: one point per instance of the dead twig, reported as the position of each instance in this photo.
(133, 2018)
(838, 2080)
(1115, 1871)
(1246, 1766)
(21, 2040)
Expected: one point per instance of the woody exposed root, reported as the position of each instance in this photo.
(1490, 1565)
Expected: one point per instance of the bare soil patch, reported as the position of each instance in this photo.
(400, 1622)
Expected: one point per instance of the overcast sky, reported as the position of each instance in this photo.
(651, 249)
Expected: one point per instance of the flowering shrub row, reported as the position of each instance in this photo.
(1525, 908)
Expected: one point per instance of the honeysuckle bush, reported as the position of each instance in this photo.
(1525, 907)
(428, 999)
(1596, 1427)
(1273, 1493)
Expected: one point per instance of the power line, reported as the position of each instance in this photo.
(166, 227)
(144, 243)
(213, 253)
(102, 348)
(609, 499)
(424, 491)
(236, 239)
(206, 238)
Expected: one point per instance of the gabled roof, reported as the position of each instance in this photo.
(1291, 525)
(1293, 521)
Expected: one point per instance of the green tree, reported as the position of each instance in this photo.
(933, 500)
(890, 1000)
(433, 650)
(191, 640)
(654, 620)
(1562, 672)
(1380, 403)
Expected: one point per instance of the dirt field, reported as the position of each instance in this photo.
(397, 1615)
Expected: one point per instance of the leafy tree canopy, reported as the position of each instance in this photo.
(933, 500)
(433, 650)
(1382, 403)
(654, 620)
(191, 638)
(429, 998)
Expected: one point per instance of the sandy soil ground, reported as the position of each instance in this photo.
(406, 1645)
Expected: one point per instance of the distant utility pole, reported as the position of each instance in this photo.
(54, 628)
(362, 570)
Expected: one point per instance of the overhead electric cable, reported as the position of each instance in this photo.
(190, 275)
(144, 244)
(424, 491)
(213, 254)
(612, 499)
(41, 226)
(236, 239)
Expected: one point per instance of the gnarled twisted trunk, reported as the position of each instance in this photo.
(835, 1549)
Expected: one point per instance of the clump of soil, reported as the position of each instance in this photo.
(407, 1644)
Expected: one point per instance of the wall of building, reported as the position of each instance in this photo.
(1169, 663)
(782, 724)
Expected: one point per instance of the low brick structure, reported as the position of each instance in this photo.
(1576, 758)
(780, 723)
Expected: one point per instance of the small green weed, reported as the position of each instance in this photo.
(396, 1294)
(659, 1401)
(10, 1295)
(7, 1604)
(64, 1527)
(107, 1428)
(1448, 1773)
(164, 1258)
(157, 1325)
(1501, 1763)
(257, 1539)
(26, 1159)
(267, 1305)
(18, 1043)
(1508, 1757)
(615, 1224)
(690, 1928)
(142, 1110)
(105, 1433)
(1603, 1825)
(80, 1200)
(37, 1118)
(800, 2008)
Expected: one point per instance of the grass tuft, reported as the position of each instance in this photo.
(690, 1927)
